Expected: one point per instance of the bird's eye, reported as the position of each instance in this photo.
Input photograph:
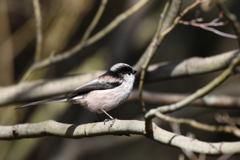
(129, 72)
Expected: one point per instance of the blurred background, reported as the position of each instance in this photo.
(64, 23)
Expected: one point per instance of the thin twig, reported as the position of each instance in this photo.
(206, 26)
(95, 21)
(180, 16)
(231, 17)
(38, 19)
(39, 39)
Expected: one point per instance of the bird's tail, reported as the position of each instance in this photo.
(50, 100)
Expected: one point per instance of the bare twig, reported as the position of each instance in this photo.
(208, 26)
(166, 31)
(231, 17)
(95, 21)
(120, 127)
(38, 19)
(38, 50)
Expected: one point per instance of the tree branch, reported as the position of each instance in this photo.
(119, 127)
(189, 67)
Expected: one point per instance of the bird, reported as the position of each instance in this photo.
(101, 94)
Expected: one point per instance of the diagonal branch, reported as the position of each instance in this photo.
(169, 11)
(38, 19)
(94, 21)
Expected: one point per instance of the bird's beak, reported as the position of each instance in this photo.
(134, 71)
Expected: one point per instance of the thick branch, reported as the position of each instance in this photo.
(189, 67)
(119, 127)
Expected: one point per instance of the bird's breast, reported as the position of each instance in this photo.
(106, 99)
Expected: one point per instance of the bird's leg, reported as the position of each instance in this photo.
(111, 118)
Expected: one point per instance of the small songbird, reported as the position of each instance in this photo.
(101, 94)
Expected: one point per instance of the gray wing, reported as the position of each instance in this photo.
(91, 86)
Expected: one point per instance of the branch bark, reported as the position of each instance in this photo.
(118, 127)
(189, 67)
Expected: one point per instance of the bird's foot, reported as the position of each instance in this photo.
(111, 123)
